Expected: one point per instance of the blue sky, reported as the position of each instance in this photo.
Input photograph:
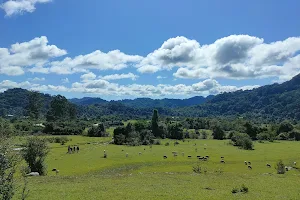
(126, 49)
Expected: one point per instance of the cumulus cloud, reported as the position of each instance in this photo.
(120, 76)
(88, 76)
(15, 7)
(34, 53)
(233, 57)
(113, 60)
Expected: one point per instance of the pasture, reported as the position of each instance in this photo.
(87, 175)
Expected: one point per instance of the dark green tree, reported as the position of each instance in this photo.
(218, 133)
(251, 130)
(61, 109)
(175, 131)
(35, 104)
(154, 124)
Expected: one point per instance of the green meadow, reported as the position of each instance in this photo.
(87, 175)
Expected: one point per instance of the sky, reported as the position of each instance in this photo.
(159, 49)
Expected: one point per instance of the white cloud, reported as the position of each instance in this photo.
(65, 80)
(88, 76)
(120, 76)
(233, 57)
(161, 77)
(37, 79)
(113, 60)
(15, 7)
(35, 53)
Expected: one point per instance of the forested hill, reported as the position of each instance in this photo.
(15, 101)
(146, 102)
(276, 101)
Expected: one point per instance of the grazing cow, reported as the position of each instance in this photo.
(286, 168)
(140, 153)
(189, 156)
(198, 156)
(74, 149)
(77, 149)
(222, 161)
(222, 157)
(126, 155)
(245, 162)
(165, 157)
(55, 170)
(268, 165)
(249, 163)
(205, 158)
(295, 163)
(249, 167)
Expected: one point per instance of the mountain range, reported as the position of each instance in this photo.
(269, 102)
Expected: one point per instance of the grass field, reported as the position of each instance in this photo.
(87, 175)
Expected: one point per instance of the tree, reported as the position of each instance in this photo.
(285, 127)
(35, 153)
(97, 131)
(60, 109)
(8, 162)
(35, 104)
(154, 124)
(218, 133)
(251, 130)
(175, 131)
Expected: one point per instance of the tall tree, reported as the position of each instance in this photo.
(61, 108)
(154, 124)
(35, 104)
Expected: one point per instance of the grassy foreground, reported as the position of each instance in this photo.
(87, 175)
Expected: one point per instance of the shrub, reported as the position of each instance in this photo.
(197, 169)
(266, 135)
(242, 140)
(204, 135)
(8, 164)
(34, 153)
(176, 143)
(283, 136)
(156, 142)
(167, 144)
(280, 167)
(97, 131)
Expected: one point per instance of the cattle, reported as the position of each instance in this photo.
(165, 157)
(249, 167)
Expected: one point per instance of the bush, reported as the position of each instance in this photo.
(167, 144)
(283, 136)
(243, 189)
(197, 169)
(59, 140)
(204, 135)
(34, 153)
(218, 133)
(266, 135)
(156, 142)
(242, 140)
(97, 131)
(280, 167)
(8, 164)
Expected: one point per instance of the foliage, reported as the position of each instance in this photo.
(154, 124)
(35, 104)
(34, 153)
(61, 109)
(59, 140)
(242, 140)
(97, 131)
(285, 127)
(65, 127)
(218, 133)
(280, 167)
(8, 162)
(175, 131)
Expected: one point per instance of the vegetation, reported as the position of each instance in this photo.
(34, 153)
